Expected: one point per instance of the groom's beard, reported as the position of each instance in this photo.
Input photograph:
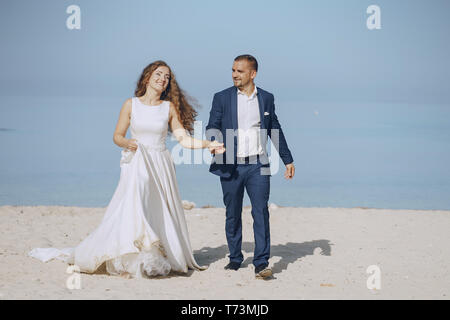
(239, 85)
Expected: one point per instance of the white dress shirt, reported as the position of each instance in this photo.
(249, 122)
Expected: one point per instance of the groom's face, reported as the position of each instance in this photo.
(243, 73)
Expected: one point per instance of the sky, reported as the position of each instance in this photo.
(307, 50)
(365, 112)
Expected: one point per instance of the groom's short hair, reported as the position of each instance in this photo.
(251, 59)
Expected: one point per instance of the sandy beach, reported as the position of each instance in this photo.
(316, 253)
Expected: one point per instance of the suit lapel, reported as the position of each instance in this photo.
(234, 117)
(261, 108)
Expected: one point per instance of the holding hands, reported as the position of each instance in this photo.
(216, 147)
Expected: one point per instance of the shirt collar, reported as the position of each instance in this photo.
(252, 95)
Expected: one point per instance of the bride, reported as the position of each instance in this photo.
(143, 232)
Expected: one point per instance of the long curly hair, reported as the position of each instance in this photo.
(183, 103)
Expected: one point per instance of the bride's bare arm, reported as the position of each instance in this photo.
(182, 135)
(122, 126)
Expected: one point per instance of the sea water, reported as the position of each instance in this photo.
(60, 151)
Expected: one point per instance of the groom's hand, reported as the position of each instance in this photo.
(290, 171)
(216, 147)
(217, 150)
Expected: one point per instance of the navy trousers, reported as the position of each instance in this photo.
(249, 177)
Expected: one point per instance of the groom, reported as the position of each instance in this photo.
(241, 117)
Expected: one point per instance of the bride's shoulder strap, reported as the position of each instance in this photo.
(133, 104)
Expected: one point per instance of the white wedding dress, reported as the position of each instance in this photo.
(143, 232)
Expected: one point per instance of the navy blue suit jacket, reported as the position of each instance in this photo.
(224, 115)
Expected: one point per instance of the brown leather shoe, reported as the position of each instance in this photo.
(264, 274)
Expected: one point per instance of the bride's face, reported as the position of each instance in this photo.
(159, 80)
